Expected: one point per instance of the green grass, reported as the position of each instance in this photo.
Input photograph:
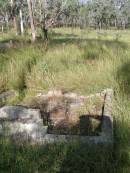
(82, 61)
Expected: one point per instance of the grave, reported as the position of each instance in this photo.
(60, 117)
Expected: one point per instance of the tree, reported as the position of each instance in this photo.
(48, 13)
(31, 20)
(4, 18)
(45, 14)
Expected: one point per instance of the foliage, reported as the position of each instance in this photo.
(50, 13)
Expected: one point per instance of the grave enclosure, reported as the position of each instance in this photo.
(60, 117)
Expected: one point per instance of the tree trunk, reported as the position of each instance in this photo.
(31, 20)
(21, 21)
(7, 22)
(15, 25)
(13, 18)
(100, 25)
(2, 28)
(124, 24)
(45, 31)
(115, 23)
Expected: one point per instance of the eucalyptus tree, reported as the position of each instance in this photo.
(47, 13)
(30, 9)
(4, 15)
(122, 12)
(13, 12)
(102, 11)
(21, 5)
(84, 15)
(73, 12)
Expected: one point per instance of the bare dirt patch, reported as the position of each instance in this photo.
(70, 114)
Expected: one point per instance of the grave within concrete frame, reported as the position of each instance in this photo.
(106, 135)
(21, 120)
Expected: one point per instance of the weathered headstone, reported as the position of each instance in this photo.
(20, 122)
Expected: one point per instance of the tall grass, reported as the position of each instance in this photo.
(80, 61)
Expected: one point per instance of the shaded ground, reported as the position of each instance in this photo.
(123, 77)
(63, 158)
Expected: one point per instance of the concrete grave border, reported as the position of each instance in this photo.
(106, 135)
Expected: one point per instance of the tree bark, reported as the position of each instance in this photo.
(115, 23)
(21, 21)
(31, 20)
(7, 22)
(2, 28)
(14, 18)
(15, 25)
(45, 31)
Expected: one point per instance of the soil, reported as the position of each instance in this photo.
(69, 114)
(76, 119)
